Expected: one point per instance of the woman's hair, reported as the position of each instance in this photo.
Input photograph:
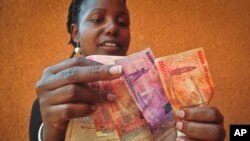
(73, 16)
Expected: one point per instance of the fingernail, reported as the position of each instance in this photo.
(111, 97)
(93, 107)
(115, 69)
(180, 113)
(179, 125)
(179, 139)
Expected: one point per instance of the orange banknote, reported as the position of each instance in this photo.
(186, 78)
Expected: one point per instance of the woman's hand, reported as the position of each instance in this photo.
(63, 93)
(200, 123)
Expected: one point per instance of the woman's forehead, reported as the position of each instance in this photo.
(106, 4)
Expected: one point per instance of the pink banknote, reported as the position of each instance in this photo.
(144, 84)
(122, 116)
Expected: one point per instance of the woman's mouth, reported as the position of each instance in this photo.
(110, 46)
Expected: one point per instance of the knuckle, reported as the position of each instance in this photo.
(102, 96)
(42, 85)
(86, 109)
(185, 125)
(70, 74)
(219, 133)
(45, 114)
(215, 114)
(76, 60)
(189, 127)
(41, 100)
(98, 71)
(98, 97)
(72, 91)
(39, 86)
(46, 70)
(66, 113)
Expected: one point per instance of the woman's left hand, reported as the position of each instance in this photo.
(200, 123)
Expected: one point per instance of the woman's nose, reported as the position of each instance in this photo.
(112, 29)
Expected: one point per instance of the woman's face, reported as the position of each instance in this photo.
(103, 27)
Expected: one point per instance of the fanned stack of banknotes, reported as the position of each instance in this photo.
(148, 93)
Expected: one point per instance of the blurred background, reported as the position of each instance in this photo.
(33, 36)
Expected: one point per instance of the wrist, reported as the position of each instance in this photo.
(51, 133)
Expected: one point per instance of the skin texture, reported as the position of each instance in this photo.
(62, 91)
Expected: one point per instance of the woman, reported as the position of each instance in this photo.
(99, 27)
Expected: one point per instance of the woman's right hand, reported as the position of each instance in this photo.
(63, 93)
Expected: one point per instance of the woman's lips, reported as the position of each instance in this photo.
(110, 48)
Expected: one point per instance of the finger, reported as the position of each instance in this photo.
(201, 131)
(184, 138)
(200, 114)
(82, 75)
(64, 112)
(72, 62)
(75, 94)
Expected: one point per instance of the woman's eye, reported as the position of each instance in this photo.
(97, 20)
(123, 23)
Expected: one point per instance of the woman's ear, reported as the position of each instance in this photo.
(74, 33)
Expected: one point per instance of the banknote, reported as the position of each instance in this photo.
(144, 84)
(186, 78)
(83, 129)
(147, 94)
(122, 116)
